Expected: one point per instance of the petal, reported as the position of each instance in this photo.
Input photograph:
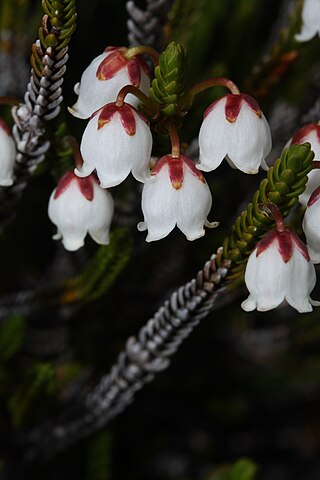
(108, 150)
(311, 228)
(213, 138)
(73, 241)
(194, 205)
(100, 236)
(102, 208)
(141, 147)
(266, 277)
(159, 205)
(7, 157)
(249, 304)
(310, 20)
(249, 140)
(300, 283)
(70, 212)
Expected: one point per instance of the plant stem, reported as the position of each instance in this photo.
(74, 145)
(140, 50)
(278, 218)
(209, 83)
(175, 140)
(137, 93)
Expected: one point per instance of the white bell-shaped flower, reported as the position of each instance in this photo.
(279, 269)
(234, 127)
(176, 195)
(7, 155)
(116, 141)
(309, 133)
(310, 20)
(79, 206)
(103, 79)
(311, 226)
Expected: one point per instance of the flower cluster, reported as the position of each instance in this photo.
(118, 140)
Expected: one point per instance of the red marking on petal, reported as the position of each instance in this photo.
(314, 197)
(64, 183)
(211, 107)
(111, 65)
(106, 114)
(143, 117)
(265, 242)
(86, 187)
(160, 163)
(251, 102)
(110, 49)
(193, 169)
(300, 136)
(176, 172)
(300, 246)
(145, 67)
(232, 107)
(127, 119)
(285, 244)
(4, 127)
(134, 71)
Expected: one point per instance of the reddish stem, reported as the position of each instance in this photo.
(74, 145)
(140, 50)
(10, 101)
(316, 164)
(275, 212)
(175, 140)
(214, 82)
(137, 93)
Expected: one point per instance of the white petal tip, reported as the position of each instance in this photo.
(142, 226)
(72, 245)
(6, 182)
(76, 88)
(211, 224)
(82, 172)
(195, 235)
(76, 113)
(249, 304)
